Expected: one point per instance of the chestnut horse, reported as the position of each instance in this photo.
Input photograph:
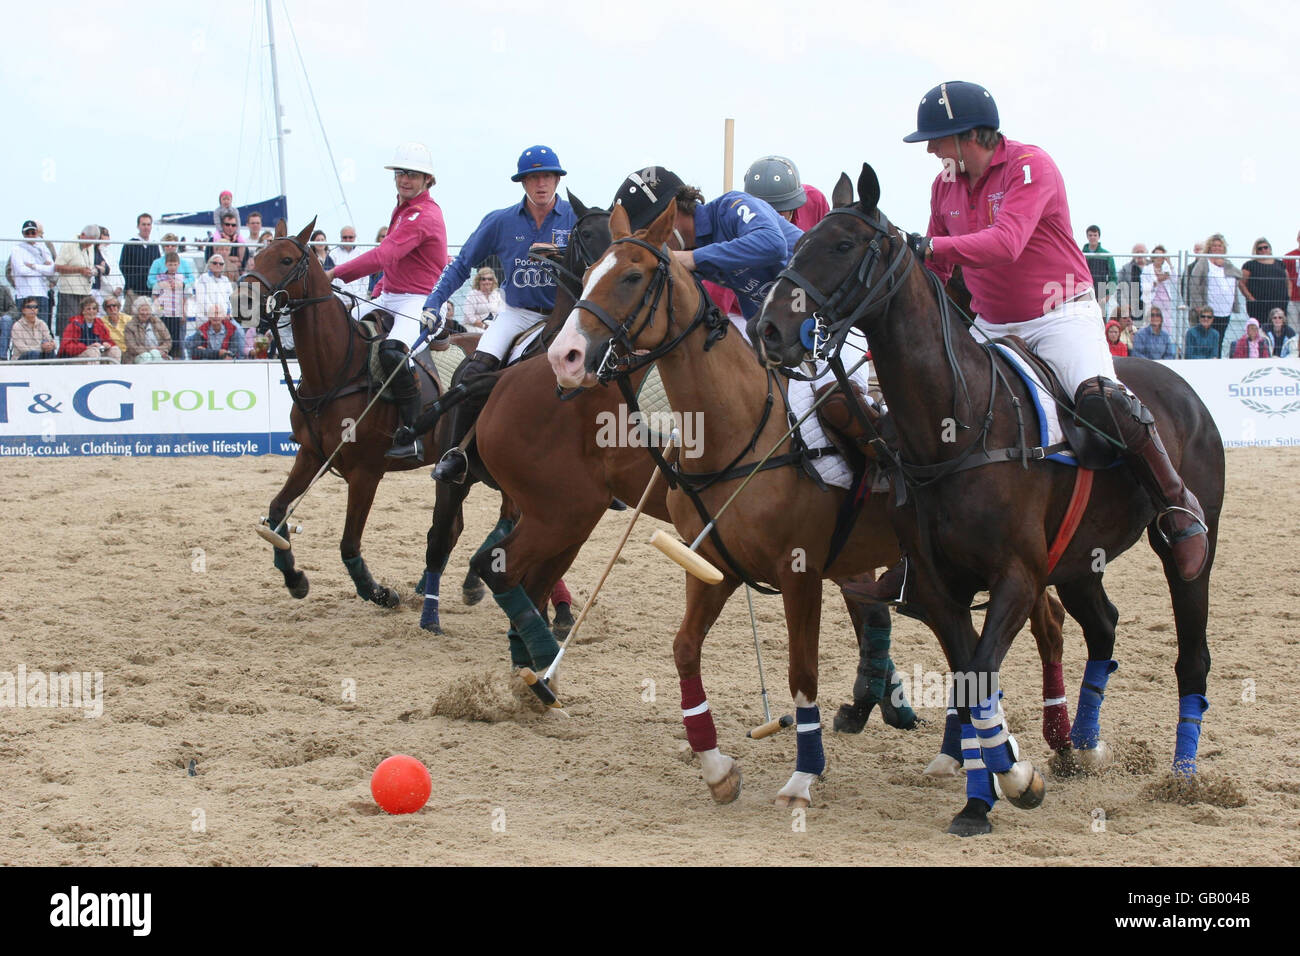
(990, 526)
(638, 299)
(333, 391)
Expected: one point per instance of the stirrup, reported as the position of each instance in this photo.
(1192, 530)
(452, 468)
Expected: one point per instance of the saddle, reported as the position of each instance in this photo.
(1090, 449)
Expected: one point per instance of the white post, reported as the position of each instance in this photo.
(275, 89)
(728, 153)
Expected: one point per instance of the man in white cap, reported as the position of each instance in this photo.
(411, 257)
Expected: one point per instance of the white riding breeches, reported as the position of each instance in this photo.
(1071, 339)
(509, 322)
(405, 308)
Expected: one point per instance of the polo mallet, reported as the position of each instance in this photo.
(769, 726)
(688, 558)
(538, 685)
(271, 533)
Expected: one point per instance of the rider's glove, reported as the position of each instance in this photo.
(919, 244)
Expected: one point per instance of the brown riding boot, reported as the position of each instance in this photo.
(1181, 521)
(837, 412)
(889, 588)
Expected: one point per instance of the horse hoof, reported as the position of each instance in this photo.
(471, 596)
(943, 766)
(851, 719)
(563, 622)
(792, 803)
(299, 588)
(1032, 796)
(727, 789)
(964, 825)
(432, 627)
(1095, 759)
(385, 597)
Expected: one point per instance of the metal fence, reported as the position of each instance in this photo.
(62, 297)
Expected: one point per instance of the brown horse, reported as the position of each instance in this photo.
(333, 391)
(990, 526)
(778, 531)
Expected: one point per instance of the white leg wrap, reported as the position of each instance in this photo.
(715, 765)
(799, 786)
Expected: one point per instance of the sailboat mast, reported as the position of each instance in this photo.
(275, 87)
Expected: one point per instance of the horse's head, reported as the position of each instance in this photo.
(590, 236)
(833, 279)
(277, 275)
(625, 302)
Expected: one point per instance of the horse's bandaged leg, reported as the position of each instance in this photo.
(1190, 709)
(283, 559)
(883, 684)
(524, 619)
(519, 656)
(979, 782)
(503, 528)
(1086, 732)
(811, 758)
(560, 594)
(429, 608)
(361, 577)
(697, 717)
(1056, 716)
(952, 734)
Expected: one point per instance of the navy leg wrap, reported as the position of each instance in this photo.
(1190, 709)
(1086, 732)
(537, 637)
(283, 560)
(429, 610)
(951, 735)
(811, 758)
(518, 652)
(979, 782)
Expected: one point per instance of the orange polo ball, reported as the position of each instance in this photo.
(401, 784)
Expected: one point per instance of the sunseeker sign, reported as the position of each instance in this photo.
(1255, 402)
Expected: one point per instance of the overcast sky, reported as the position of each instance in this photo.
(1168, 121)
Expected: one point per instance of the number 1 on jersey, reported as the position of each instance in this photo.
(1026, 169)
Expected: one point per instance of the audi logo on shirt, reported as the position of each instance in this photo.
(533, 278)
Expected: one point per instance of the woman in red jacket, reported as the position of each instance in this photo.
(87, 336)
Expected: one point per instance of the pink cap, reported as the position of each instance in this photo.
(1252, 321)
(227, 194)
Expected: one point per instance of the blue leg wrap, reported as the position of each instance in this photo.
(524, 619)
(990, 727)
(429, 610)
(1086, 732)
(361, 578)
(1190, 709)
(811, 757)
(951, 735)
(979, 782)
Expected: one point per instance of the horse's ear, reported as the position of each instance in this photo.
(662, 227)
(577, 204)
(306, 233)
(619, 227)
(280, 230)
(842, 194)
(868, 188)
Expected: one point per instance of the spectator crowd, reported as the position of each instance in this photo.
(151, 306)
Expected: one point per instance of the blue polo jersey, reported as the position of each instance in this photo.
(742, 243)
(508, 233)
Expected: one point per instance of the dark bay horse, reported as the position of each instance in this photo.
(333, 391)
(990, 526)
(778, 531)
(549, 460)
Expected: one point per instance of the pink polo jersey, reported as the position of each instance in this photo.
(412, 255)
(1010, 232)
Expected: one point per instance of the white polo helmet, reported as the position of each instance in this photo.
(413, 156)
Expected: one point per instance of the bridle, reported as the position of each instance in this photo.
(578, 257)
(834, 316)
(619, 365)
(277, 301)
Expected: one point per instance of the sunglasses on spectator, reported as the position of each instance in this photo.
(112, 306)
(1263, 248)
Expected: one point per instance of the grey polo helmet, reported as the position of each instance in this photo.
(775, 179)
(953, 107)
